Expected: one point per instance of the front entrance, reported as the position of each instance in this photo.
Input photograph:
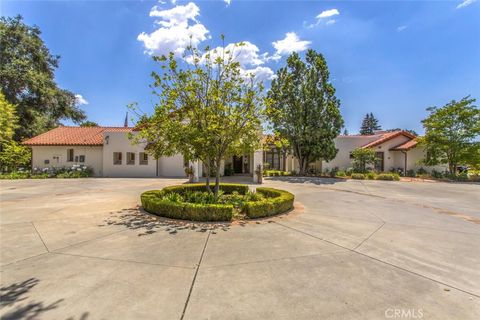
(237, 164)
(379, 161)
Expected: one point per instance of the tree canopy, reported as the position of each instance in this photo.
(27, 80)
(206, 111)
(451, 134)
(369, 125)
(302, 108)
(88, 124)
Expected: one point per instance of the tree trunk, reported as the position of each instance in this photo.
(302, 163)
(217, 178)
(207, 176)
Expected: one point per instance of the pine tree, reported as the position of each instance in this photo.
(369, 124)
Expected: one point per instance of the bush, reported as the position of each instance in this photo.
(411, 173)
(370, 175)
(388, 176)
(341, 173)
(275, 201)
(172, 202)
(358, 176)
(275, 173)
(225, 187)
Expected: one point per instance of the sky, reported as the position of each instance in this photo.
(391, 58)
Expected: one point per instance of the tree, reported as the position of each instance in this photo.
(369, 125)
(88, 124)
(206, 112)
(451, 134)
(8, 120)
(362, 157)
(13, 156)
(302, 108)
(345, 132)
(280, 144)
(28, 81)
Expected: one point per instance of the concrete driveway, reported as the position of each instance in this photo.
(81, 249)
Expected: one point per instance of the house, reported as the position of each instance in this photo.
(110, 153)
(396, 150)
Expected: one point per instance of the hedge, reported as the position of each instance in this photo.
(152, 202)
(388, 176)
(277, 201)
(225, 187)
(358, 176)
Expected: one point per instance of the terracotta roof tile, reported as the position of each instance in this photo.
(73, 136)
(410, 144)
(387, 136)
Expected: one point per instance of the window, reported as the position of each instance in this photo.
(69, 155)
(130, 157)
(143, 158)
(117, 158)
(81, 158)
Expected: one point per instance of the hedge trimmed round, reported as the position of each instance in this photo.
(271, 202)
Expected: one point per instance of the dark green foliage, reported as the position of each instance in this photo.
(362, 158)
(451, 135)
(89, 124)
(369, 125)
(303, 109)
(27, 78)
(264, 202)
(276, 201)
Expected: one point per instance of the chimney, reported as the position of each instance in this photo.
(125, 124)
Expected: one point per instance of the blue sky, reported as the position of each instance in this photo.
(390, 58)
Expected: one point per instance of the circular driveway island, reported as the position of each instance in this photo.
(83, 249)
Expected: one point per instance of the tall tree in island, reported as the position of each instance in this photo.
(206, 112)
(27, 80)
(451, 134)
(302, 108)
(369, 125)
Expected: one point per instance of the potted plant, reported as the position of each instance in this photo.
(259, 173)
(190, 172)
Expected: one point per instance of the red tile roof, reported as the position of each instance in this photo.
(410, 144)
(388, 136)
(73, 136)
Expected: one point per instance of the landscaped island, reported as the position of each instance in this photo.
(235, 201)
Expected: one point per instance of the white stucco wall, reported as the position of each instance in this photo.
(171, 166)
(119, 142)
(57, 156)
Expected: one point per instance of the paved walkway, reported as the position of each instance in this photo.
(81, 249)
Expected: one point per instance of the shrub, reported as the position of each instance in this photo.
(370, 175)
(388, 176)
(172, 202)
(275, 201)
(341, 173)
(225, 187)
(275, 173)
(422, 171)
(411, 173)
(358, 176)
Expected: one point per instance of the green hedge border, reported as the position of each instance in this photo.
(277, 201)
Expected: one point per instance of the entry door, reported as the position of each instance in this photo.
(379, 162)
(237, 164)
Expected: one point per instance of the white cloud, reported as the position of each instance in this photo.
(291, 43)
(259, 73)
(80, 100)
(401, 28)
(179, 28)
(327, 13)
(227, 2)
(331, 21)
(246, 53)
(465, 3)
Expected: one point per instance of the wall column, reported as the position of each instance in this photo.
(197, 170)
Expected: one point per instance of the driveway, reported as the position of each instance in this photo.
(82, 249)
